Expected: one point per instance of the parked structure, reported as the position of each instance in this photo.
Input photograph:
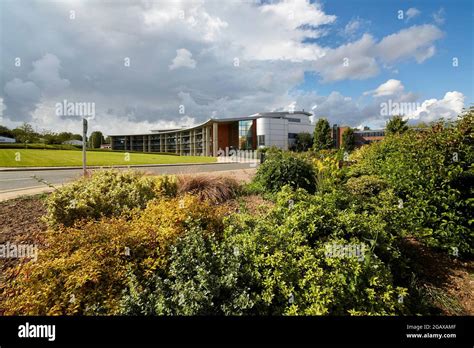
(245, 133)
(6, 140)
(73, 142)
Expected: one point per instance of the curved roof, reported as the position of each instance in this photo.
(219, 120)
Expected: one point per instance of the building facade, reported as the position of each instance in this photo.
(361, 137)
(206, 139)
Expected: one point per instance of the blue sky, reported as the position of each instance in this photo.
(189, 61)
(433, 77)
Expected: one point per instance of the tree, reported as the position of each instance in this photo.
(76, 137)
(96, 139)
(421, 125)
(303, 141)
(348, 140)
(64, 136)
(6, 132)
(25, 133)
(48, 137)
(396, 125)
(322, 135)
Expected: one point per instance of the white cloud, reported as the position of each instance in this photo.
(352, 27)
(183, 59)
(416, 41)
(390, 87)
(431, 109)
(360, 59)
(412, 13)
(439, 16)
(351, 61)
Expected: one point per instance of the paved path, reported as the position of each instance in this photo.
(18, 183)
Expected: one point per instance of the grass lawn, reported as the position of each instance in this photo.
(64, 158)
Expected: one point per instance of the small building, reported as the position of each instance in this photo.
(208, 138)
(6, 140)
(73, 142)
(361, 137)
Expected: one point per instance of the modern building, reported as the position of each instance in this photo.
(362, 137)
(206, 139)
(6, 140)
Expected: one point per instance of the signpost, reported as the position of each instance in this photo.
(84, 140)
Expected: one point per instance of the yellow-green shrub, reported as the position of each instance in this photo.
(105, 193)
(166, 185)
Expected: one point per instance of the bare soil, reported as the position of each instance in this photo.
(449, 281)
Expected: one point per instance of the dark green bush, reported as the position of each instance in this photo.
(284, 168)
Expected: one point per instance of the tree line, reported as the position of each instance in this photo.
(323, 140)
(25, 133)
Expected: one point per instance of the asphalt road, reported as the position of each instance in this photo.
(24, 180)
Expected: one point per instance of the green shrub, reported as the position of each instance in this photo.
(366, 185)
(284, 168)
(203, 278)
(432, 172)
(105, 193)
(284, 256)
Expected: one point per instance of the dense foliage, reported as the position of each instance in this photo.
(105, 193)
(432, 173)
(396, 125)
(283, 168)
(348, 140)
(25, 133)
(322, 135)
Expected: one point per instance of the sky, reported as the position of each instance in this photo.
(146, 65)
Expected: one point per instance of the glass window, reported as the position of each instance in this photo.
(261, 140)
(245, 135)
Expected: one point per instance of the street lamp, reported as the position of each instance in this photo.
(84, 137)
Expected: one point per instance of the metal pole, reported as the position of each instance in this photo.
(84, 139)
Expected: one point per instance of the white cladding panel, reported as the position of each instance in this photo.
(276, 130)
